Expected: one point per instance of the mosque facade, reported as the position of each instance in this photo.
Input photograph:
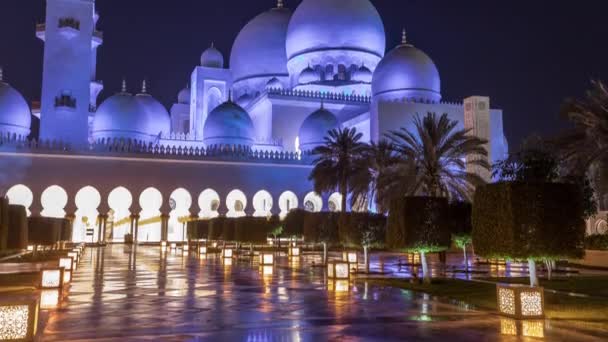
(238, 139)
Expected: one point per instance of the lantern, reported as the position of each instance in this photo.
(51, 278)
(214, 244)
(49, 299)
(67, 276)
(30, 248)
(266, 259)
(520, 302)
(202, 250)
(267, 271)
(18, 321)
(338, 285)
(227, 253)
(294, 251)
(74, 257)
(67, 263)
(338, 269)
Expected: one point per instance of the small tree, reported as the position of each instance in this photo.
(528, 221)
(460, 226)
(419, 225)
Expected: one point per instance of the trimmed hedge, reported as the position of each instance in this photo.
(597, 242)
(242, 229)
(197, 230)
(216, 227)
(362, 229)
(3, 222)
(321, 227)
(419, 224)
(17, 222)
(515, 220)
(293, 224)
(44, 231)
(459, 218)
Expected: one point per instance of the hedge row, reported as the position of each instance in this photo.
(528, 221)
(17, 222)
(597, 242)
(47, 231)
(242, 229)
(419, 224)
(3, 223)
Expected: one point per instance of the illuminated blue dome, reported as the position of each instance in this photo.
(407, 72)
(335, 32)
(15, 114)
(363, 74)
(184, 96)
(123, 115)
(212, 58)
(315, 127)
(274, 84)
(258, 53)
(229, 124)
(309, 75)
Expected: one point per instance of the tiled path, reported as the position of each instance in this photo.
(122, 295)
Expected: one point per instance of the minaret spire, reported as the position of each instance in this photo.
(124, 85)
(403, 37)
(280, 4)
(144, 88)
(1, 73)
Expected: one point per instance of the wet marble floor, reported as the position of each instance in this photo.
(121, 293)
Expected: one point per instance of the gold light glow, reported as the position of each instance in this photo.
(173, 245)
(67, 276)
(294, 251)
(508, 326)
(267, 259)
(520, 301)
(227, 253)
(51, 279)
(267, 271)
(66, 263)
(163, 244)
(533, 329)
(30, 248)
(338, 270)
(49, 299)
(214, 245)
(506, 301)
(74, 257)
(531, 303)
(18, 322)
(202, 250)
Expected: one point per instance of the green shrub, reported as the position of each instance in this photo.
(3, 222)
(515, 220)
(228, 229)
(45, 231)
(321, 227)
(422, 226)
(17, 222)
(255, 229)
(198, 230)
(597, 242)
(293, 223)
(362, 229)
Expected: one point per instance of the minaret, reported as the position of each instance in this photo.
(477, 121)
(69, 88)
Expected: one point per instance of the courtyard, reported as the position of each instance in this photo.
(126, 293)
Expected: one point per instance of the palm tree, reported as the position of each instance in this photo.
(380, 174)
(336, 161)
(437, 156)
(587, 143)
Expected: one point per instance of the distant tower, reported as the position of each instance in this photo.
(69, 86)
(477, 119)
(211, 84)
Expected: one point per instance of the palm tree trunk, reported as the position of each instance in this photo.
(466, 261)
(343, 192)
(425, 268)
(532, 271)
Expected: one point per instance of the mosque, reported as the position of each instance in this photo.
(237, 140)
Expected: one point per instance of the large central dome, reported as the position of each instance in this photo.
(258, 53)
(335, 31)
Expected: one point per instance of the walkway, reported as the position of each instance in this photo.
(121, 295)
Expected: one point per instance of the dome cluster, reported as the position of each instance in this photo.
(125, 116)
(15, 114)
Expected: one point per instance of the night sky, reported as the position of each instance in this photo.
(526, 55)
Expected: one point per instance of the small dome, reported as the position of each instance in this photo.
(184, 96)
(315, 127)
(363, 74)
(258, 53)
(212, 58)
(228, 124)
(15, 114)
(407, 72)
(309, 75)
(274, 83)
(138, 117)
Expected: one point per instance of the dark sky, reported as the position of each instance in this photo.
(526, 55)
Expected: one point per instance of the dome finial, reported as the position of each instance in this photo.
(144, 88)
(403, 37)
(124, 85)
(280, 4)
(230, 95)
(1, 73)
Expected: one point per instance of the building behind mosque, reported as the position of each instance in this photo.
(236, 141)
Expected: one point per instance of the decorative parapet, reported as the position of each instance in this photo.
(125, 148)
(321, 95)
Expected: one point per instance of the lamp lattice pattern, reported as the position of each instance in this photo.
(533, 329)
(506, 301)
(49, 299)
(51, 279)
(14, 322)
(531, 303)
(508, 326)
(342, 271)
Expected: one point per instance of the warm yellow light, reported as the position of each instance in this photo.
(214, 245)
(173, 245)
(185, 252)
(330, 270)
(267, 259)
(352, 257)
(338, 270)
(163, 244)
(202, 250)
(51, 279)
(520, 301)
(67, 276)
(294, 251)
(508, 326)
(74, 257)
(227, 253)
(49, 299)
(267, 270)
(506, 301)
(531, 303)
(66, 263)
(14, 322)
(30, 248)
(533, 329)
(228, 262)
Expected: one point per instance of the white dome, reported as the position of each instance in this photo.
(126, 116)
(274, 84)
(334, 32)
(15, 114)
(315, 127)
(407, 72)
(212, 58)
(258, 53)
(184, 96)
(228, 124)
(309, 75)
